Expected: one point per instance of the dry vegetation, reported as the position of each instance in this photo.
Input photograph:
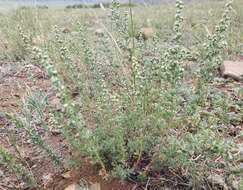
(124, 97)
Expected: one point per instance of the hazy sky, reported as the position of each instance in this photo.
(15, 3)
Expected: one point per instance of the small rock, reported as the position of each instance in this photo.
(67, 175)
(146, 32)
(232, 69)
(99, 32)
(66, 30)
(34, 166)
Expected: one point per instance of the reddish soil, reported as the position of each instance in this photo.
(90, 175)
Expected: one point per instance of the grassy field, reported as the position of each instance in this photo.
(132, 94)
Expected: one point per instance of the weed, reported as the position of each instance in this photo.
(21, 172)
(34, 136)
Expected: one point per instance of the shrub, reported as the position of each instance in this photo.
(148, 118)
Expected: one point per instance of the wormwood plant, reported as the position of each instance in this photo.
(147, 118)
(67, 60)
(34, 136)
(212, 56)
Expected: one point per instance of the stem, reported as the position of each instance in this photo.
(12, 142)
(132, 50)
(132, 24)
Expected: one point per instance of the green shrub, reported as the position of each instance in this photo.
(147, 117)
